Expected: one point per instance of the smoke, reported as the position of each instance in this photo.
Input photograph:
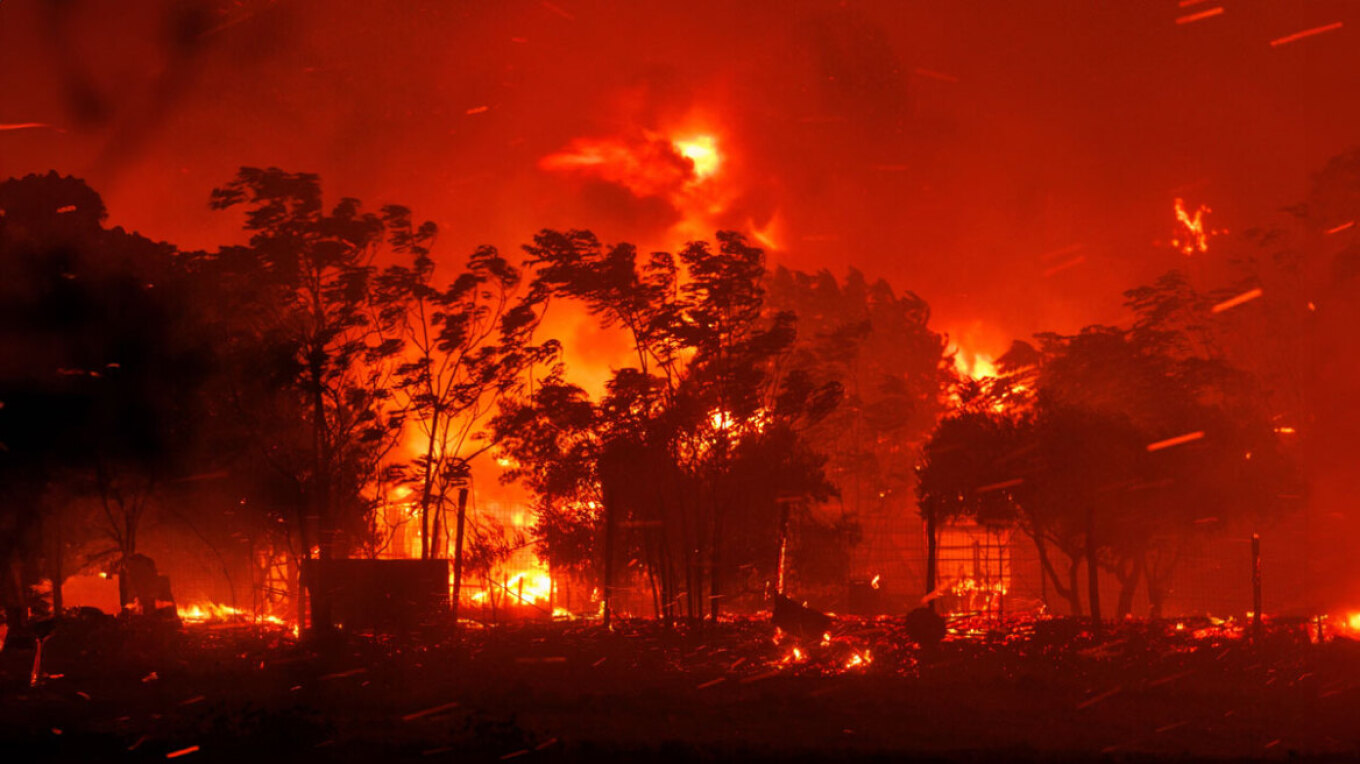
(947, 147)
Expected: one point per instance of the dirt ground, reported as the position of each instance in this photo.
(574, 692)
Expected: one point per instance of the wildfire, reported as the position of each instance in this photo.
(649, 167)
(858, 659)
(1195, 234)
(209, 611)
(977, 366)
(687, 167)
(702, 152)
(212, 612)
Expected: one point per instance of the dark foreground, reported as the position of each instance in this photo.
(574, 692)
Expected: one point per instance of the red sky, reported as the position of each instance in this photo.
(947, 146)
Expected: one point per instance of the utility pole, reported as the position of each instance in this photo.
(458, 553)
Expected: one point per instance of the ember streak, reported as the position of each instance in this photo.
(590, 381)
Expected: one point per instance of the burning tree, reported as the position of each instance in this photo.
(676, 432)
(878, 346)
(551, 442)
(1124, 445)
(1298, 338)
(468, 345)
(311, 310)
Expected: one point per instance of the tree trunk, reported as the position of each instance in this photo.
(932, 557)
(1156, 600)
(609, 531)
(57, 574)
(428, 488)
(17, 636)
(1073, 587)
(1093, 574)
(297, 596)
(668, 591)
(321, 605)
(715, 567)
(1128, 587)
(1047, 572)
(1256, 590)
(458, 553)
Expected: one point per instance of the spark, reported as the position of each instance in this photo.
(1188, 3)
(181, 752)
(1305, 33)
(1098, 698)
(1176, 441)
(1201, 15)
(1067, 250)
(856, 659)
(1285, 430)
(1247, 296)
(429, 712)
(765, 235)
(1065, 265)
(478, 109)
(1342, 227)
(22, 125)
(1001, 485)
(559, 10)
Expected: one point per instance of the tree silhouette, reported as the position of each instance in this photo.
(879, 347)
(709, 387)
(1067, 444)
(316, 314)
(104, 357)
(469, 344)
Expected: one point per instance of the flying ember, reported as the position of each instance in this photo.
(570, 380)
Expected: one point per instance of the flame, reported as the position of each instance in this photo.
(977, 366)
(212, 612)
(702, 151)
(1195, 234)
(209, 611)
(685, 165)
(859, 659)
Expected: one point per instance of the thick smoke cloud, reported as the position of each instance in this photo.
(946, 146)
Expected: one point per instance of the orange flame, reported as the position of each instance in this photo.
(1195, 234)
(686, 166)
(976, 366)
